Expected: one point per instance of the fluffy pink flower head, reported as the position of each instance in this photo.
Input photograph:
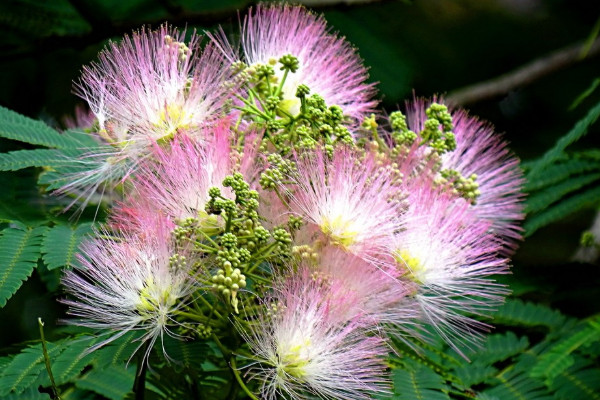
(448, 255)
(305, 350)
(348, 197)
(480, 152)
(153, 85)
(129, 284)
(328, 64)
(177, 179)
(376, 288)
(149, 87)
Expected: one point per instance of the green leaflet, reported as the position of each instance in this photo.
(20, 200)
(561, 171)
(590, 197)
(515, 385)
(25, 368)
(186, 352)
(499, 347)
(556, 152)
(580, 382)
(114, 382)
(558, 358)
(71, 361)
(544, 198)
(519, 313)
(19, 253)
(61, 243)
(19, 127)
(419, 383)
(19, 159)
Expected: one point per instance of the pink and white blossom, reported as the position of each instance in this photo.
(328, 64)
(304, 349)
(483, 152)
(149, 87)
(130, 283)
(349, 198)
(449, 256)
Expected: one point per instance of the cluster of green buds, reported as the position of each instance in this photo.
(467, 188)
(241, 244)
(401, 135)
(199, 330)
(277, 172)
(588, 239)
(437, 129)
(290, 115)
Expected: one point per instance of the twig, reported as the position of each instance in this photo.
(55, 395)
(524, 75)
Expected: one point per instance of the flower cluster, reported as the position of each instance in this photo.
(263, 200)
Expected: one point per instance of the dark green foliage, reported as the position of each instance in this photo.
(20, 159)
(516, 312)
(113, 382)
(19, 253)
(61, 243)
(18, 127)
(25, 368)
(419, 383)
(561, 183)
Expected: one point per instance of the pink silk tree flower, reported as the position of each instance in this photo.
(130, 283)
(304, 350)
(328, 64)
(483, 154)
(349, 198)
(149, 87)
(377, 289)
(176, 180)
(448, 255)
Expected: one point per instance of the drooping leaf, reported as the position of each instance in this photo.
(113, 381)
(31, 393)
(19, 253)
(119, 351)
(71, 361)
(61, 243)
(20, 199)
(499, 347)
(580, 382)
(187, 353)
(474, 373)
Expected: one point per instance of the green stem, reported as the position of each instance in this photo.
(236, 373)
(216, 246)
(218, 314)
(55, 395)
(280, 87)
(252, 109)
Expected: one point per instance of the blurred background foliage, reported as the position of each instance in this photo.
(420, 47)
